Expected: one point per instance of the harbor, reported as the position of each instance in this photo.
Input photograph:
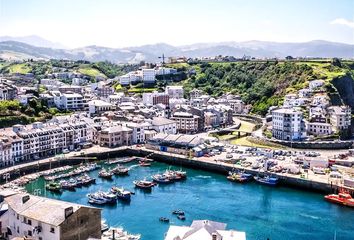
(207, 195)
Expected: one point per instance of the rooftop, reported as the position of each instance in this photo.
(42, 209)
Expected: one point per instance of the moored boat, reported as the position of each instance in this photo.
(144, 163)
(164, 219)
(53, 186)
(239, 177)
(342, 198)
(105, 174)
(120, 170)
(270, 181)
(119, 234)
(121, 193)
(144, 184)
(158, 178)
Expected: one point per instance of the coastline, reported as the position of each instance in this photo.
(315, 183)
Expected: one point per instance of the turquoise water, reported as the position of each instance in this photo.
(261, 211)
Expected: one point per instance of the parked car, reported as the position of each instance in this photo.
(65, 151)
(229, 156)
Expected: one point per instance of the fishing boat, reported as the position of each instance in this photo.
(164, 219)
(86, 180)
(121, 193)
(178, 212)
(105, 174)
(120, 170)
(270, 181)
(343, 198)
(66, 185)
(161, 178)
(104, 225)
(143, 163)
(239, 177)
(119, 234)
(96, 199)
(110, 197)
(144, 184)
(53, 186)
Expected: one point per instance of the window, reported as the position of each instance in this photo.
(29, 222)
(29, 233)
(52, 230)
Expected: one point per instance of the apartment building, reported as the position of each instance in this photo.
(39, 218)
(115, 136)
(340, 117)
(164, 125)
(98, 106)
(319, 128)
(70, 89)
(155, 98)
(287, 124)
(40, 140)
(124, 80)
(174, 91)
(148, 76)
(195, 93)
(72, 101)
(7, 91)
(186, 122)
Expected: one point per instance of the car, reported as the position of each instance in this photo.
(229, 156)
(65, 151)
(77, 149)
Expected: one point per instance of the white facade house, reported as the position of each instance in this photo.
(72, 101)
(313, 85)
(148, 75)
(99, 106)
(174, 91)
(340, 117)
(203, 230)
(124, 80)
(287, 124)
(164, 125)
(319, 128)
(186, 122)
(40, 218)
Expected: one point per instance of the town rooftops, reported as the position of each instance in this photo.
(287, 111)
(99, 103)
(203, 229)
(116, 129)
(159, 121)
(42, 209)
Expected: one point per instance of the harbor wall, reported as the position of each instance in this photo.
(173, 159)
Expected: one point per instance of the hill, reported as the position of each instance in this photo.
(13, 50)
(264, 84)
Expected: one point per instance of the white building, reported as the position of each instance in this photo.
(124, 80)
(40, 218)
(72, 101)
(313, 85)
(287, 124)
(99, 106)
(148, 75)
(174, 91)
(186, 122)
(203, 230)
(319, 128)
(164, 125)
(340, 117)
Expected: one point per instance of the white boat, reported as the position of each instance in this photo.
(119, 234)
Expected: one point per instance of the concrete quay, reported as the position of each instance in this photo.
(318, 183)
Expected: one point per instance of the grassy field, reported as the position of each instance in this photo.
(92, 72)
(141, 90)
(22, 68)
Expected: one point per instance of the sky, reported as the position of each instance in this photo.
(118, 23)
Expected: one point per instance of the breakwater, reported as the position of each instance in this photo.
(178, 160)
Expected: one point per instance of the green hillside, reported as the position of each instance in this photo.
(264, 84)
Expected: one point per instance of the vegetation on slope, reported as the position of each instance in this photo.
(262, 84)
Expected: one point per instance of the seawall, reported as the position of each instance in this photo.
(173, 159)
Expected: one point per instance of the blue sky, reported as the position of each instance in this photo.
(118, 23)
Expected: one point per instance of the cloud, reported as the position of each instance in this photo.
(342, 21)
